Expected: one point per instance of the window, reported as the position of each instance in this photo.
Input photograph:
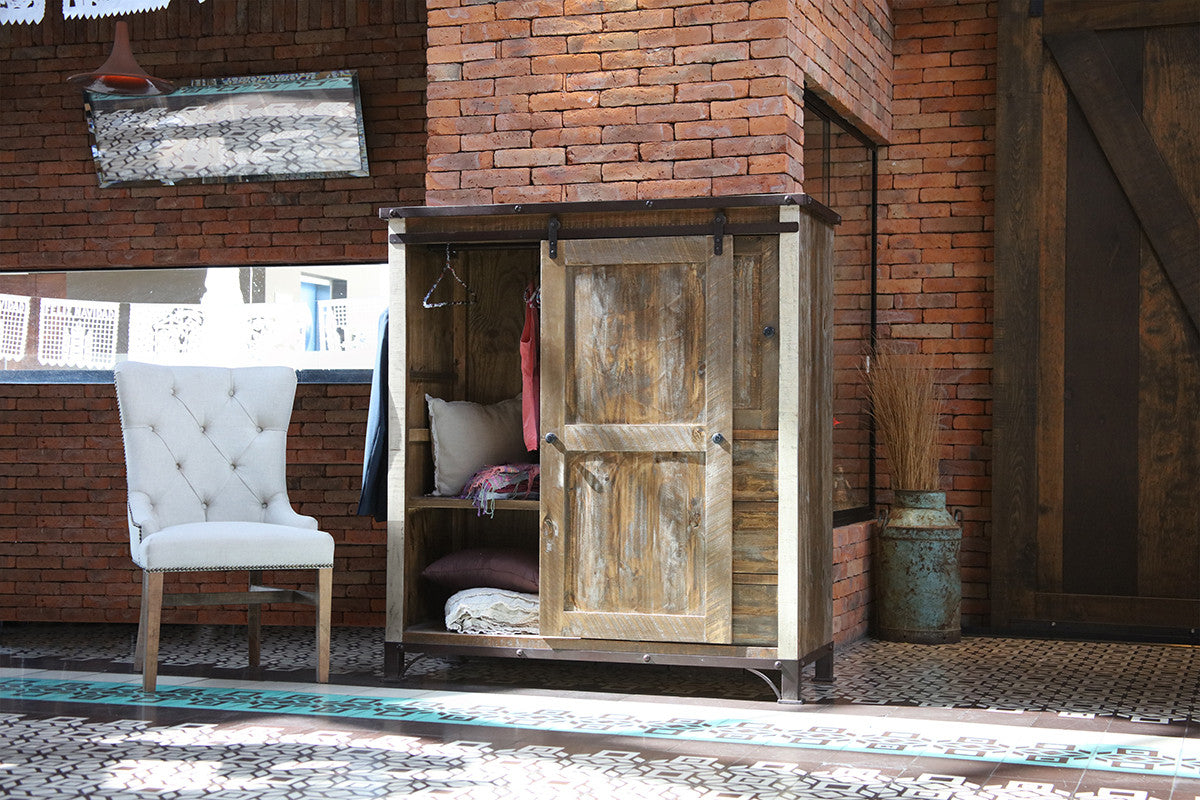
(841, 171)
(305, 316)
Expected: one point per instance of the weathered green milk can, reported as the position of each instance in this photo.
(919, 589)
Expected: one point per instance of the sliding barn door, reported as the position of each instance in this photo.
(637, 464)
(1098, 295)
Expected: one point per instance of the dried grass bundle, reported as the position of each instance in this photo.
(907, 411)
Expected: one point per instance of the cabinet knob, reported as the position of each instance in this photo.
(718, 439)
(551, 437)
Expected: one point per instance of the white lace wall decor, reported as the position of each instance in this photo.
(74, 9)
(349, 325)
(14, 326)
(13, 12)
(166, 333)
(32, 11)
(77, 333)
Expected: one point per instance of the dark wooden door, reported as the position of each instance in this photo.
(637, 355)
(1098, 295)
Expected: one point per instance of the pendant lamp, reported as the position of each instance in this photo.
(120, 74)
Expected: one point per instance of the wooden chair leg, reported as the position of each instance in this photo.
(324, 600)
(139, 649)
(152, 594)
(254, 624)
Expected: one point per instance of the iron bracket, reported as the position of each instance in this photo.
(718, 232)
(552, 228)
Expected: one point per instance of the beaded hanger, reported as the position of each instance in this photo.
(442, 304)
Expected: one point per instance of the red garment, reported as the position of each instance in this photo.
(531, 388)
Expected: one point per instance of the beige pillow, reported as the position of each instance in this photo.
(468, 437)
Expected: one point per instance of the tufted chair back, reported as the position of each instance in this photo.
(205, 444)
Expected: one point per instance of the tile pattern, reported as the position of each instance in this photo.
(1141, 754)
(71, 757)
(987, 719)
(1145, 683)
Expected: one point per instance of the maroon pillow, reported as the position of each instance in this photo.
(493, 567)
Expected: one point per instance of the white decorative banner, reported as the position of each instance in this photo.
(77, 333)
(14, 326)
(18, 11)
(31, 11)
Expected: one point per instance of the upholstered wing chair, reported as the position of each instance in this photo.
(205, 460)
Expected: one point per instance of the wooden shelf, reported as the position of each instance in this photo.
(431, 501)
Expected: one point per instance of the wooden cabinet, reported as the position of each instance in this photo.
(685, 513)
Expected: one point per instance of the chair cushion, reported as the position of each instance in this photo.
(234, 545)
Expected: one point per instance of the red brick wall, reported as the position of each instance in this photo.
(845, 49)
(64, 541)
(531, 103)
(56, 216)
(566, 100)
(852, 581)
(936, 243)
(64, 548)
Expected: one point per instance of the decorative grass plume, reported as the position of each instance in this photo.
(907, 411)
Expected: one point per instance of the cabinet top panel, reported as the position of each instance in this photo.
(661, 204)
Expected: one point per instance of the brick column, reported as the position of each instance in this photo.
(575, 100)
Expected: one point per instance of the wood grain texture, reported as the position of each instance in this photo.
(491, 356)
(756, 354)
(1019, 211)
(1168, 556)
(805, 445)
(324, 602)
(1052, 310)
(399, 473)
(1148, 181)
(1072, 15)
(1125, 611)
(637, 539)
(1103, 240)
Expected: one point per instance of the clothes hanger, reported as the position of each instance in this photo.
(443, 303)
(533, 295)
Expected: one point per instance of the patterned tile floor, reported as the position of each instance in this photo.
(986, 719)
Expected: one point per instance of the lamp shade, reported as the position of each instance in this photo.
(120, 74)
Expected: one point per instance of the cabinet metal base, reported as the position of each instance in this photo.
(786, 688)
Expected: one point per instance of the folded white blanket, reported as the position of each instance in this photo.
(494, 611)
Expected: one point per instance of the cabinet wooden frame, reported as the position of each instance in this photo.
(769, 309)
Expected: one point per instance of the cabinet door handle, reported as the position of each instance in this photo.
(551, 437)
(718, 439)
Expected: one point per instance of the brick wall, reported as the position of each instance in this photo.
(528, 100)
(64, 541)
(56, 216)
(569, 100)
(845, 54)
(64, 548)
(852, 591)
(936, 242)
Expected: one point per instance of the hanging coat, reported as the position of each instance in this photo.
(531, 393)
(373, 500)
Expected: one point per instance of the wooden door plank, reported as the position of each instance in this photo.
(1072, 15)
(805, 446)
(397, 585)
(718, 440)
(1161, 206)
(1132, 612)
(1100, 469)
(1019, 210)
(634, 438)
(1052, 311)
(637, 373)
(556, 309)
(1169, 404)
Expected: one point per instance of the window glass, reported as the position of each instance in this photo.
(304, 316)
(839, 171)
